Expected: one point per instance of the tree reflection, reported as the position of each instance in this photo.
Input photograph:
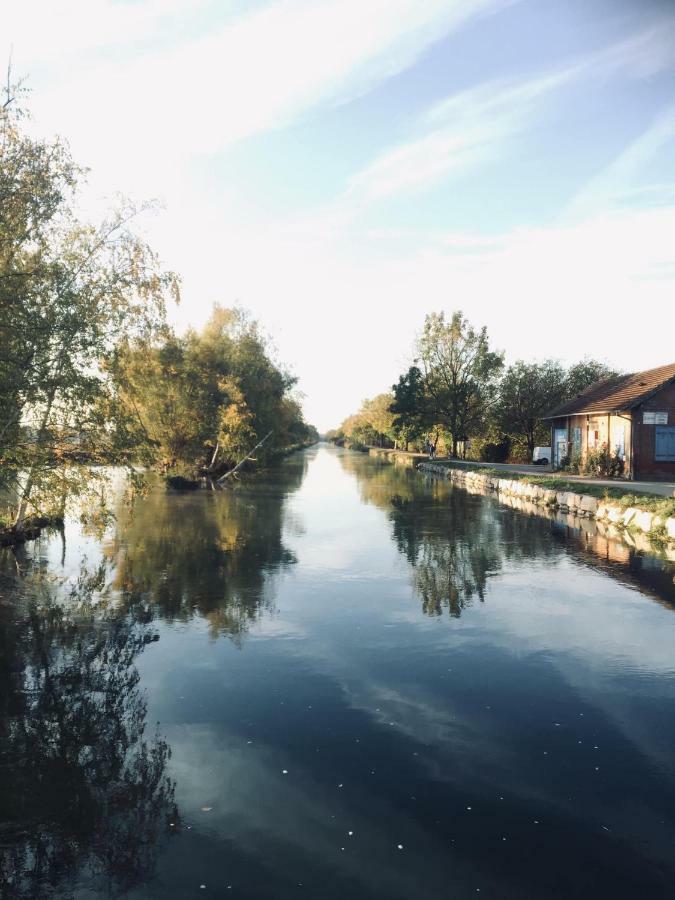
(85, 798)
(213, 555)
(84, 794)
(453, 540)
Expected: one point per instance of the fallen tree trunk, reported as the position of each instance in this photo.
(242, 461)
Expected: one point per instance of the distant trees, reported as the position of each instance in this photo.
(457, 391)
(373, 424)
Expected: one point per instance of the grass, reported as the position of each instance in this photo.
(661, 506)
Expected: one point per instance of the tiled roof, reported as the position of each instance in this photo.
(616, 394)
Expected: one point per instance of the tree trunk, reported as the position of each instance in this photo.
(530, 444)
(28, 487)
(242, 461)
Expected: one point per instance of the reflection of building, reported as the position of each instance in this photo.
(630, 416)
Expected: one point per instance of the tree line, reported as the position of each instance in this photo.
(459, 396)
(90, 370)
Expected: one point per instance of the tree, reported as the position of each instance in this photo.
(459, 374)
(585, 373)
(410, 407)
(199, 402)
(526, 393)
(68, 293)
(379, 416)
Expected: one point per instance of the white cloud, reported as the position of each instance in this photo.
(42, 32)
(616, 180)
(346, 313)
(343, 301)
(472, 127)
(257, 72)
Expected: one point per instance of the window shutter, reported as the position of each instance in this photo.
(664, 450)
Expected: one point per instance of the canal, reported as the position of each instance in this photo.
(337, 680)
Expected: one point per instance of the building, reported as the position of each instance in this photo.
(632, 415)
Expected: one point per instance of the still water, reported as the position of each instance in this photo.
(339, 680)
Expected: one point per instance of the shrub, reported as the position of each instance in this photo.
(603, 463)
(493, 451)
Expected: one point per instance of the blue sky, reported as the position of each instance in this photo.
(341, 168)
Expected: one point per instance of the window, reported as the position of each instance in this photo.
(664, 450)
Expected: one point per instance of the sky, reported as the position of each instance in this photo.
(340, 168)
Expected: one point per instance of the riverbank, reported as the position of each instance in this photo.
(646, 523)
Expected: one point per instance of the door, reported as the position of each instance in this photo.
(559, 446)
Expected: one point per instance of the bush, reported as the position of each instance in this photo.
(572, 463)
(603, 463)
(495, 451)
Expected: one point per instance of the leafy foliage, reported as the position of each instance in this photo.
(527, 392)
(199, 402)
(68, 292)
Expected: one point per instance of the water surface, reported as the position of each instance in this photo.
(339, 680)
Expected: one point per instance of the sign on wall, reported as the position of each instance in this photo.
(655, 418)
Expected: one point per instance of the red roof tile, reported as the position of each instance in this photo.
(616, 394)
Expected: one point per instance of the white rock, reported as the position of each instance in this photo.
(629, 515)
(614, 514)
(643, 520)
(588, 504)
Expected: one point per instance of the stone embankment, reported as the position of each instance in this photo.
(637, 526)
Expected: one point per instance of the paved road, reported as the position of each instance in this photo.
(661, 488)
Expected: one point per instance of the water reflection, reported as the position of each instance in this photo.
(84, 793)
(522, 748)
(454, 542)
(83, 790)
(177, 556)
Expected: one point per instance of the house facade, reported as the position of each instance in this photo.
(633, 416)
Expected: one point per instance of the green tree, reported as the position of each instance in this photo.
(583, 374)
(198, 402)
(380, 418)
(459, 374)
(526, 393)
(410, 407)
(68, 293)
